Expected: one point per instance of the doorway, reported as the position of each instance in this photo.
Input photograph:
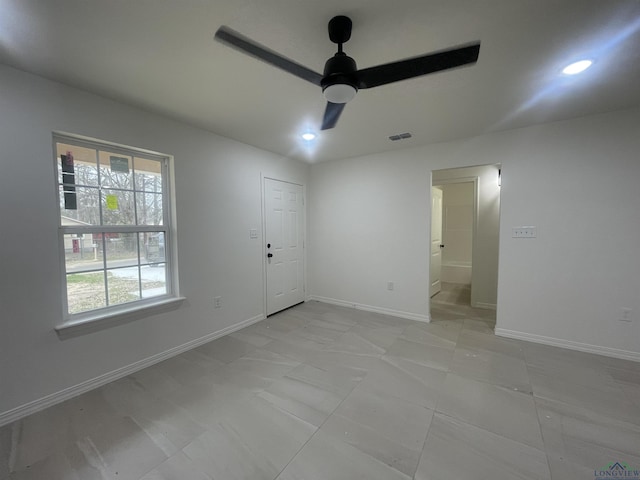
(453, 223)
(467, 269)
(284, 244)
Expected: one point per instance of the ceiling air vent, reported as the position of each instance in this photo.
(402, 136)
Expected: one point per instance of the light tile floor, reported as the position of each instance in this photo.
(324, 392)
(453, 294)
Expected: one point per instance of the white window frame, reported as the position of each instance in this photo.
(113, 314)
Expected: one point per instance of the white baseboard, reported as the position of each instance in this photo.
(83, 387)
(369, 308)
(559, 342)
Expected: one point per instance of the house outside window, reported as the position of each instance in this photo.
(115, 227)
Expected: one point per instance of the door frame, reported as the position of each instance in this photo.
(476, 202)
(433, 187)
(263, 246)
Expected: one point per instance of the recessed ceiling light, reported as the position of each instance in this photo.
(577, 67)
(308, 136)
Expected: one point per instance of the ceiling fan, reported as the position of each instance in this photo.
(341, 79)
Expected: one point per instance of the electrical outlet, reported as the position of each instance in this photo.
(625, 315)
(390, 286)
(253, 233)
(524, 232)
(217, 302)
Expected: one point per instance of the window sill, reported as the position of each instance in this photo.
(94, 323)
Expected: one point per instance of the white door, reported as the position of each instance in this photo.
(436, 240)
(284, 243)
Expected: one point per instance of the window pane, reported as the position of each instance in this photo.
(82, 252)
(148, 174)
(80, 169)
(149, 208)
(117, 207)
(123, 285)
(153, 245)
(116, 170)
(79, 206)
(85, 291)
(122, 250)
(154, 280)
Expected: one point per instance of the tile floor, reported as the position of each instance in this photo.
(324, 392)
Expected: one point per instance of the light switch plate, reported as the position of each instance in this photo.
(524, 232)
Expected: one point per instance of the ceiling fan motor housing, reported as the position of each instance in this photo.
(339, 71)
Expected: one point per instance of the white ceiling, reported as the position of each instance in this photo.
(160, 55)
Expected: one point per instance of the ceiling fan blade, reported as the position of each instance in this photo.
(331, 115)
(417, 66)
(238, 41)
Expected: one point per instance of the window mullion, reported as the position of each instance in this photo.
(166, 215)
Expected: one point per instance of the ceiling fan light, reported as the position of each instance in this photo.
(339, 93)
(308, 136)
(577, 67)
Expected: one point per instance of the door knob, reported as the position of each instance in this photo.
(441, 246)
(269, 255)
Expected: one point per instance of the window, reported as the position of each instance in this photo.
(114, 227)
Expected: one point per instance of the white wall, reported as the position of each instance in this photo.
(484, 289)
(218, 200)
(369, 225)
(576, 180)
